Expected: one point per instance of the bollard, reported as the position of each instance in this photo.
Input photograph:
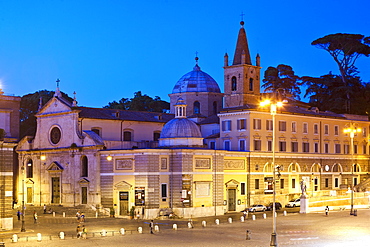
(217, 221)
(39, 237)
(174, 226)
(14, 238)
(204, 223)
(264, 216)
(64, 214)
(53, 214)
(189, 225)
(103, 233)
(96, 215)
(284, 213)
(156, 228)
(61, 235)
(248, 235)
(140, 229)
(275, 214)
(122, 231)
(242, 219)
(230, 220)
(355, 212)
(253, 217)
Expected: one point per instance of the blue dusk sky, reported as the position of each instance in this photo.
(107, 50)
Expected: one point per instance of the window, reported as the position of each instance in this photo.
(127, 136)
(294, 146)
(306, 147)
(363, 148)
(256, 124)
(242, 188)
(337, 148)
(164, 190)
(156, 136)
(226, 125)
(164, 163)
(196, 109)
(364, 132)
(269, 124)
(282, 126)
(282, 183)
(326, 148)
(355, 149)
(282, 146)
(250, 84)
(96, 131)
(293, 183)
(346, 148)
(227, 145)
(242, 145)
(336, 130)
(326, 129)
(215, 108)
(305, 128)
(84, 167)
(336, 182)
(326, 182)
(257, 145)
(257, 184)
(316, 147)
(294, 127)
(354, 181)
(356, 168)
(269, 145)
(212, 145)
(233, 83)
(316, 129)
(242, 124)
(29, 169)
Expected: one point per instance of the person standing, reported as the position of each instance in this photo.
(151, 225)
(78, 231)
(19, 215)
(35, 217)
(44, 209)
(326, 210)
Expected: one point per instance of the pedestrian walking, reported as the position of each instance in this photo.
(84, 232)
(19, 215)
(35, 217)
(326, 210)
(151, 225)
(44, 209)
(78, 231)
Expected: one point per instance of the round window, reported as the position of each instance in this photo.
(55, 135)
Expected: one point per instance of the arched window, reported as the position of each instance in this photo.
(196, 107)
(294, 167)
(29, 169)
(233, 83)
(84, 167)
(356, 168)
(316, 168)
(337, 168)
(268, 167)
(215, 109)
(127, 135)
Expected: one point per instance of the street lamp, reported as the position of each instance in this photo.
(23, 229)
(352, 130)
(273, 107)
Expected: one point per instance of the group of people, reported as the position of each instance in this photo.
(50, 211)
(81, 231)
(80, 217)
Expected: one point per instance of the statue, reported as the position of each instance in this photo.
(303, 186)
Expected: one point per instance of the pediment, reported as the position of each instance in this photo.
(122, 186)
(55, 167)
(29, 181)
(84, 181)
(232, 183)
(54, 106)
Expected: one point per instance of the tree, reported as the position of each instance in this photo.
(29, 107)
(282, 78)
(140, 102)
(345, 50)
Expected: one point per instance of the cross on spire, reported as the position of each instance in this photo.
(242, 16)
(57, 81)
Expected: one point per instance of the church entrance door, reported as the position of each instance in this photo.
(29, 194)
(232, 199)
(55, 190)
(123, 202)
(83, 195)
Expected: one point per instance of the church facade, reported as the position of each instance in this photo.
(211, 155)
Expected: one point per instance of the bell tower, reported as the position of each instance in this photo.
(241, 79)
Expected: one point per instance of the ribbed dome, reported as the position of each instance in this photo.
(180, 127)
(196, 81)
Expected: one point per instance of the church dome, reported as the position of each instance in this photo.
(180, 128)
(196, 81)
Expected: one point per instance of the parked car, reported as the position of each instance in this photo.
(257, 208)
(294, 203)
(277, 206)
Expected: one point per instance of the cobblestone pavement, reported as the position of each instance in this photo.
(314, 229)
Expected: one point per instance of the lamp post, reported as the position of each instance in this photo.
(273, 107)
(23, 229)
(352, 130)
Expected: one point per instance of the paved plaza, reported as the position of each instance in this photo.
(339, 228)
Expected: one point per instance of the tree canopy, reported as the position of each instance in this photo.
(282, 78)
(140, 102)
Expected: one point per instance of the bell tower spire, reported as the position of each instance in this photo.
(242, 48)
